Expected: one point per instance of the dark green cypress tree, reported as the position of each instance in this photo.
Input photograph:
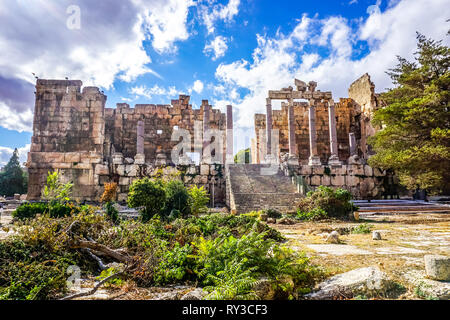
(12, 177)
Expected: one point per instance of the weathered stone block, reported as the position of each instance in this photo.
(315, 180)
(338, 181)
(368, 171)
(101, 169)
(204, 169)
(437, 267)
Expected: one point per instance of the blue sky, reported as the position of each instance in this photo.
(229, 52)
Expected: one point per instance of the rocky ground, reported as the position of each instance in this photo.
(405, 240)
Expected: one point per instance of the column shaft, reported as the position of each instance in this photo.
(229, 153)
(268, 126)
(291, 127)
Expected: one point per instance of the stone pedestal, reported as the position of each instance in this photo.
(117, 158)
(139, 158)
(161, 160)
(354, 158)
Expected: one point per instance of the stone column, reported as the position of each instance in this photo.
(293, 157)
(205, 130)
(268, 126)
(354, 158)
(314, 159)
(140, 157)
(291, 128)
(229, 153)
(334, 158)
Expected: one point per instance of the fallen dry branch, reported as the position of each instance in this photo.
(93, 290)
(83, 244)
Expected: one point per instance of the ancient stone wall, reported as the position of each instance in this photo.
(91, 145)
(362, 91)
(361, 180)
(159, 123)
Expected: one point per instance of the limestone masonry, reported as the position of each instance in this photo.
(320, 142)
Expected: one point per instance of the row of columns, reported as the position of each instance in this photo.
(314, 158)
(228, 157)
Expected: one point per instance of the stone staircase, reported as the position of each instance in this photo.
(249, 189)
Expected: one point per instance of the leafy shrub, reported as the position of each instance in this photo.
(335, 203)
(30, 210)
(173, 265)
(198, 199)
(148, 194)
(314, 214)
(177, 197)
(109, 193)
(272, 213)
(111, 211)
(55, 210)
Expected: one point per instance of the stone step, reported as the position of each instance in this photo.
(253, 189)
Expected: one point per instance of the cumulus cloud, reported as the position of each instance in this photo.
(216, 48)
(144, 91)
(212, 12)
(166, 22)
(198, 86)
(6, 154)
(277, 61)
(107, 46)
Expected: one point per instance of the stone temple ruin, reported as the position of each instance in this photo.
(320, 142)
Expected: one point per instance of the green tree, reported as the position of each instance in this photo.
(243, 156)
(150, 195)
(415, 137)
(12, 179)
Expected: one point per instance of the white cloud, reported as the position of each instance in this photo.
(277, 61)
(166, 21)
(216, 47)
(156, 90)
(198, 86)
(211, 13)
(108, 46)
(6, 154)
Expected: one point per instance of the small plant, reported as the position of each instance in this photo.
(108, 197)
(272, 213)
(198, 199)
(362, 228)
(314, 214)
(234, 282)
(55, 190)
(109, 272)
(109, 193)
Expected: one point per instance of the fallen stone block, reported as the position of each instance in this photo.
(369, 281)
(437, 267)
